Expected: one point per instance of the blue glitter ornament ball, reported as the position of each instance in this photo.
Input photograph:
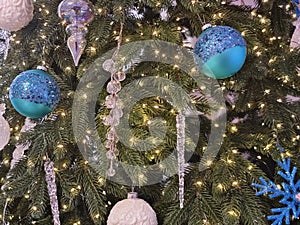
(220, 52)
(34, 93)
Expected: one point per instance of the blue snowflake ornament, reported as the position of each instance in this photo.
(289, 191)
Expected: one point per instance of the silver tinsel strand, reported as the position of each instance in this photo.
(180, 124)
(4, 44)
(52, 190)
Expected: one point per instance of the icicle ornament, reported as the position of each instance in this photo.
(52, 190)
(18, 153)
(4, 128)
(180, 125)
(78, 13)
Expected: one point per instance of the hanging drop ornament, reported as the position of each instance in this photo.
(4, 128)
(76, 42)
(52, 190)
(77, 13)
(133, 211)
(4, 44)
(180, 125)
(15, 14)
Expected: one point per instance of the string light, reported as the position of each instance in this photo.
(209, 162)
(233, 129)
(199, 183)
(220, 186)
(235, 183)
(232, 213)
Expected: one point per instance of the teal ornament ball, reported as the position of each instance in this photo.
(34, 93)
(220, 52)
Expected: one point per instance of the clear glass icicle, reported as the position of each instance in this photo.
(52, 190)
(180, 125)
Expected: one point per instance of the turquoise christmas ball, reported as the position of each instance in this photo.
(220, 52)
(34, 93)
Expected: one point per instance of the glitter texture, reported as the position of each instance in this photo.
(52, 190)
(35, 86)
(215, 40)
(288, 191)
(4, 44)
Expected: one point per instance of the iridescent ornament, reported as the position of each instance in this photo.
(120, 76)
(220, 51)
(4, 128)
(113, 87)
(34, 93)
(109, 65)
(76, 42)
(111, 101)
(78, 13)
(133, 211)
(15, 14)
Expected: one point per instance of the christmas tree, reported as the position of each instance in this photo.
(136, 113)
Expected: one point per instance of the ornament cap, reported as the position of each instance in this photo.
(204, 27)
(42, 68)
(132, 195)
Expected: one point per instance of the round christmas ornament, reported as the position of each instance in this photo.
(34, 93)
(76, 11)
(220, 51)
(15, 14)
(132, 211)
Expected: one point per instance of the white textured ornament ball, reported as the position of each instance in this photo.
(132, 211)
(15, 14)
